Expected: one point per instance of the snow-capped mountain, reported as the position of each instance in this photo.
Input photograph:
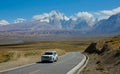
(108, 26)
(47, 17)
(59, 20)
(59, 23)
(50, 21)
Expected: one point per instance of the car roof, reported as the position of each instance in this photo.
(50, 51)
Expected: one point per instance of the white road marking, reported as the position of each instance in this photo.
(33, 72)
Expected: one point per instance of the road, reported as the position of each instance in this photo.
(64, 64)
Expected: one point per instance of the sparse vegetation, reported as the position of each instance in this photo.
(14, 52)
(6, 56)
(104, 56)
(100, 67)
(87, 69)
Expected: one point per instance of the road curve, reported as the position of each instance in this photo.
(62, 66)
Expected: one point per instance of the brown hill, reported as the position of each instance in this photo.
(105, 54)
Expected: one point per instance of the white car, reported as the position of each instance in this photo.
(50, 56)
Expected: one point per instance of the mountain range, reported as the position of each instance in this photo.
(57, 23)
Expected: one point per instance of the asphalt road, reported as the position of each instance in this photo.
(64, 64)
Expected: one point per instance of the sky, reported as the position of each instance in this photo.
(10, 10)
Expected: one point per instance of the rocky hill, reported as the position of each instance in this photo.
(105, 56)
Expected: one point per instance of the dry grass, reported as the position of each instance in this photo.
(113, 42)
(5, 56)
(105, 62)
(14, 52)
(46, 45)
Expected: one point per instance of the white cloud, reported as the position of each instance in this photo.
(4, 22)
(19, 20)
(85, 16)
(103, 17)
(105, 14)
(89, 17)
(111, 12)
(42, 18)
(73, 18)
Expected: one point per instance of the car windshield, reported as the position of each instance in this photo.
(48, 53)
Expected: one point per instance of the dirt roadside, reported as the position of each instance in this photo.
(104, 57)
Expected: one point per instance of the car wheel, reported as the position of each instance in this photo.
(56, 59)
